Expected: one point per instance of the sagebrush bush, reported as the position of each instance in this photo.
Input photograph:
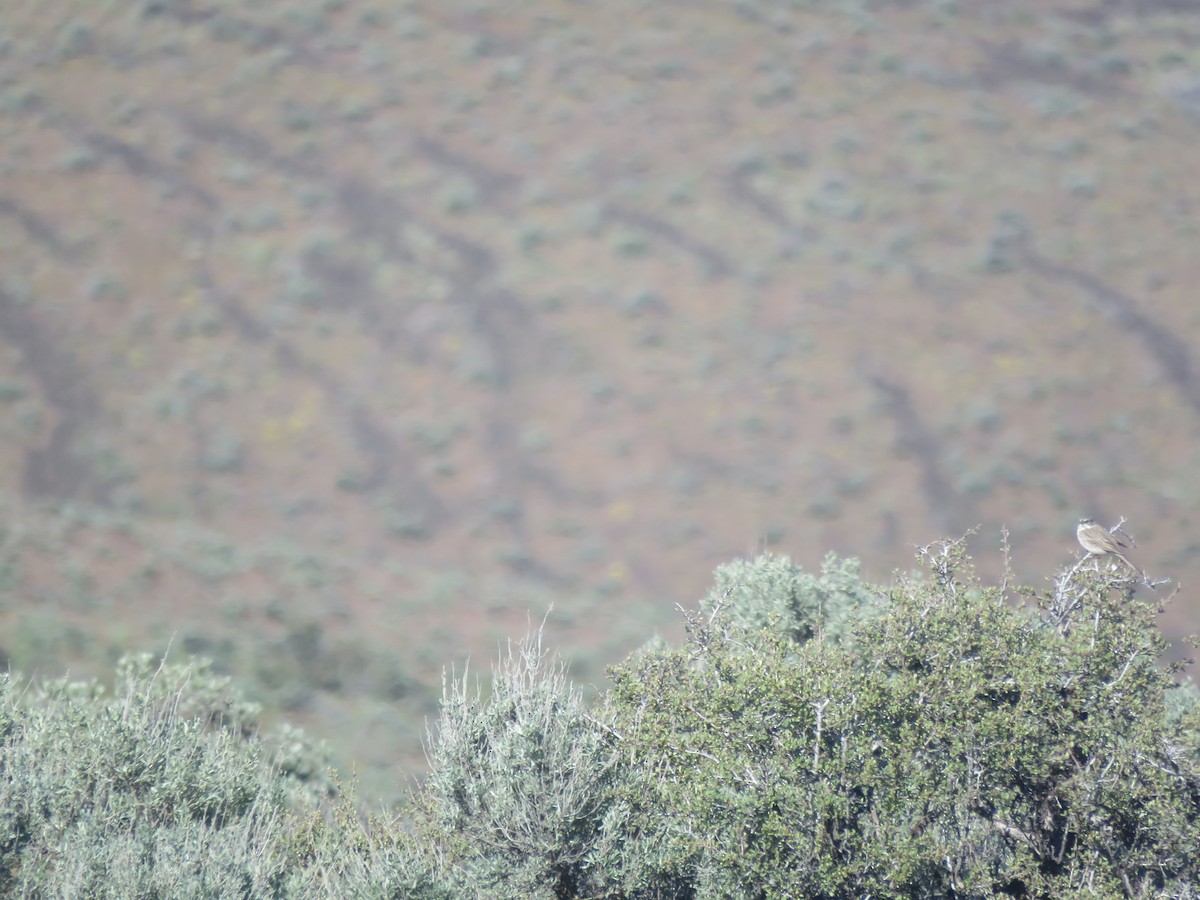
(164, 789)
(772, 593)
(519, 782)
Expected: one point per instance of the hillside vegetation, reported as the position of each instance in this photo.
(339, 339)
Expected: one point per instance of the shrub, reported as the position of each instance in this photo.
(164, 789)
(957, 746)
(772, 593)
(519, 782)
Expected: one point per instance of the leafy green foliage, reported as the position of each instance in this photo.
(815, 737)
(164, 790)
(519, 782)
(957, 746)
(820, 738)
(773, 593)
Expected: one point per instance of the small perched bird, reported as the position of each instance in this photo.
(1099, 541)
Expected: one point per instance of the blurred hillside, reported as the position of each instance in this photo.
(342, 338)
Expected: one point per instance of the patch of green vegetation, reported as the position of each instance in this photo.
(165, 788)
(405, 523)
(223, 451)
(819, 737)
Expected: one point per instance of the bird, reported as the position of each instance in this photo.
(1098, 541)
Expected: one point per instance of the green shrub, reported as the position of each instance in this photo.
(955, 747)
(518, 782)
(814, 737)
(773, 593)
(164, 789)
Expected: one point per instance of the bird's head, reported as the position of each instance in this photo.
(1087, 521)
